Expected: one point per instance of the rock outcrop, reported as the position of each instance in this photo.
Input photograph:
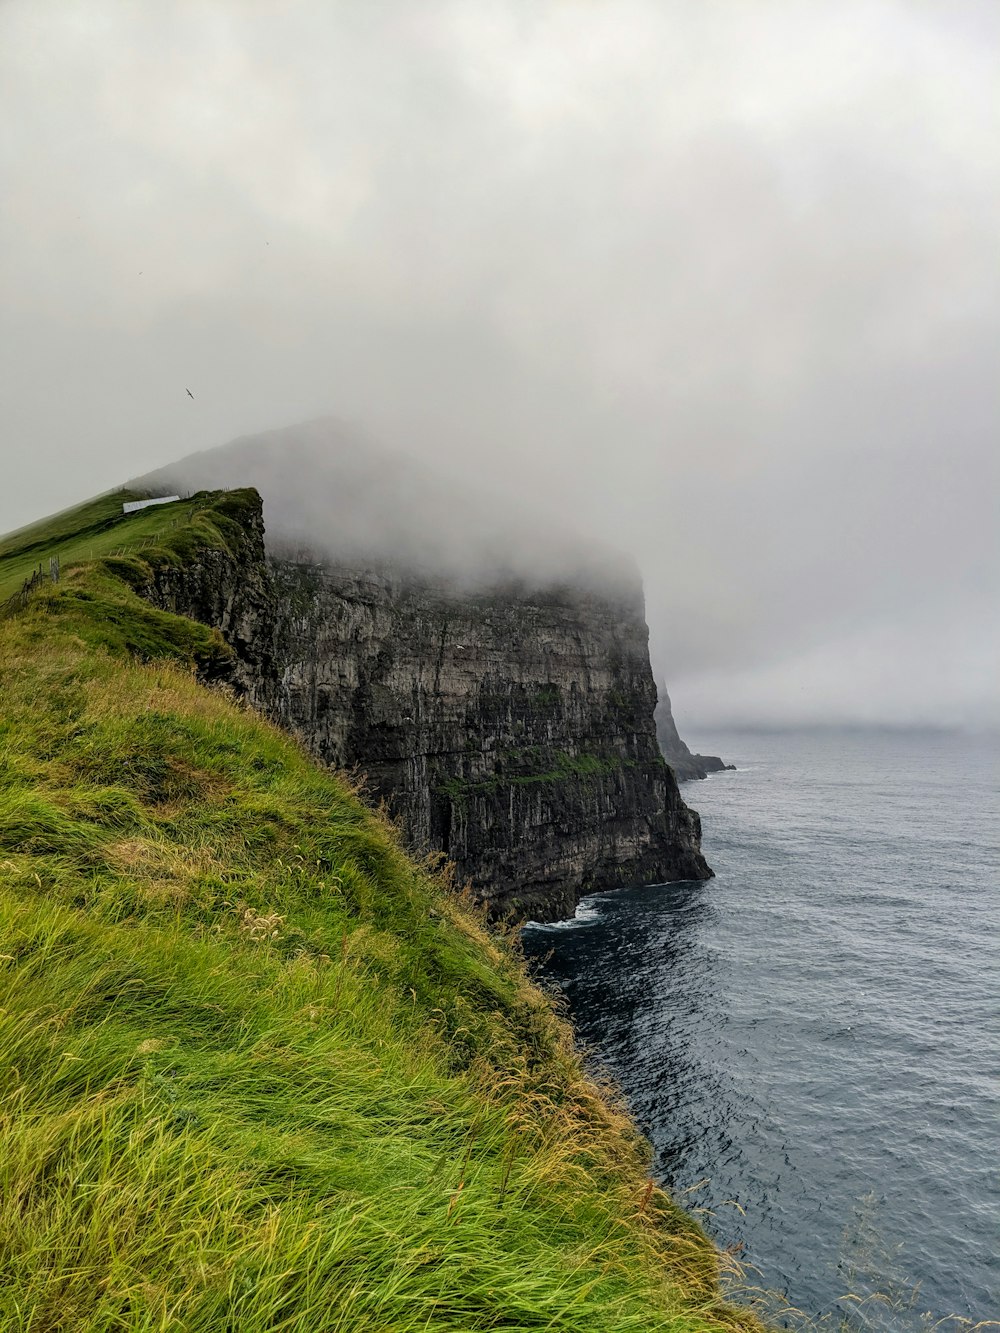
(509, 727)
(685, 764)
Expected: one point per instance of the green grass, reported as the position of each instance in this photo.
(528, 768)
(258, 1069)
(90, 532)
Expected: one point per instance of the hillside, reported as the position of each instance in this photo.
(260, 1069)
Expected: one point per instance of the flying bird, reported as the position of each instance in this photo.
(189, 393)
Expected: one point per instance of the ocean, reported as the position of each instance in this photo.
(812, 1039)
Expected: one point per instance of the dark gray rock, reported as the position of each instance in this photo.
(685, 764)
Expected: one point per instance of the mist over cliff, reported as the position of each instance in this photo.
(331, 491)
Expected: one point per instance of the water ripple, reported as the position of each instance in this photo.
(815, 1033)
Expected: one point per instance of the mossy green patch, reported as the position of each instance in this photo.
(536, 767)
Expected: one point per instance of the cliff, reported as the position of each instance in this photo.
(259, 1069)
(685, 764)
(508, 727)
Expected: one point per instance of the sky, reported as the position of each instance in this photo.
(716, 283)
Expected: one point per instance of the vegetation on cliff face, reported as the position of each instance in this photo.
(258, 1069)
(565, 768)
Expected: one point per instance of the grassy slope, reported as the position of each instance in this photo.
(258, 1070)
(90, 532)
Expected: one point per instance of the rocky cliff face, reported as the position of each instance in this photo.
(510, 728)
(685, 764)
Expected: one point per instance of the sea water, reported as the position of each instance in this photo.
(812, 1039)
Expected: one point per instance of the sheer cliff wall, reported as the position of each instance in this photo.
(510, 728)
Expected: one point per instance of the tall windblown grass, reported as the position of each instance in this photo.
(260, 1070)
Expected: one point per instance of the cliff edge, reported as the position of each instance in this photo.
(506, 726)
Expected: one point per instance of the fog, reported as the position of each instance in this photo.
(333, 494)
(715, 283)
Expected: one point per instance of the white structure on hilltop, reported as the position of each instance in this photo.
(131, 506)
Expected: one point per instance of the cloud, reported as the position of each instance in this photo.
(717, 283)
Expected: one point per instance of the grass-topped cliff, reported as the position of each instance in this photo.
(258, 1069)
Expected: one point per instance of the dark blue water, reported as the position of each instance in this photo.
(812, 1039)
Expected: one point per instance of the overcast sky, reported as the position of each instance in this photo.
(719, 282)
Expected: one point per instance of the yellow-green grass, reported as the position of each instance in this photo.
(89, 532)
(259, 1070)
